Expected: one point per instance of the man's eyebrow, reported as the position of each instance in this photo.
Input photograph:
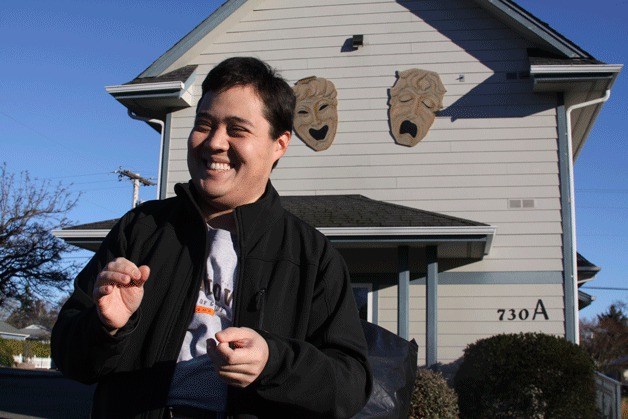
(239, 120)
(203, 117)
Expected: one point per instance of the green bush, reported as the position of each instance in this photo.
(6, 355)
(432, 397)
(529, 375)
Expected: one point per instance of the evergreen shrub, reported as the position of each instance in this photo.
(6, 356)
(529, 375)
(432, 397)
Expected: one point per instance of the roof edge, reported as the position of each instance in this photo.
(355, 232)
(72, 234)
(188, 41)
(408, 231)
(526, 21)
(144, 87)
(576, 69)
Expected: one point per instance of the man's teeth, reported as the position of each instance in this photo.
(218, 166)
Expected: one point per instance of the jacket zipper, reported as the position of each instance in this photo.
(260, 301)
(235, 322)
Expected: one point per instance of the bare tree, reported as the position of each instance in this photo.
(31, 264)
(36, 311)
(606, 337)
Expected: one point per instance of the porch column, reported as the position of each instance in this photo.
(431, 294)
(403, 293)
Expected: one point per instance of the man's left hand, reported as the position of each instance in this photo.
(239, 355)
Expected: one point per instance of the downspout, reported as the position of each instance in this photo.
(574, 256)
(161, 144)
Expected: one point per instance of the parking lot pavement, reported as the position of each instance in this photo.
(42, 394)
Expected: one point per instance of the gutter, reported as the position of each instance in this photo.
(162, 132)
(72, 234)
(574, 256)
(144, 87)
(575, 68)
(412, 233)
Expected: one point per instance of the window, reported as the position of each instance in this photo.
(364, 300)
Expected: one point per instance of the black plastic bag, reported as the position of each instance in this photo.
(394, 365)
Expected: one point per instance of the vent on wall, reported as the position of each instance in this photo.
(517, 75)
(520, 203)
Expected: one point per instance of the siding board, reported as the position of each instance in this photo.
(495, 139)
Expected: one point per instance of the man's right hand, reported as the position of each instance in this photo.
(118, 292)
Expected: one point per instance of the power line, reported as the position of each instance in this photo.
(602, 190)
(606, 288)
(137, 179)
(79, 175)
(47, 138)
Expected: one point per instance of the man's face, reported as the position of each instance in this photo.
(316, 113)
(230, 151)
(414, 100)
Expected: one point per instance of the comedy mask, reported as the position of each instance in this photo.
(414, 100)
(316, 113)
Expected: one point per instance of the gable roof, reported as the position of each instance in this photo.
(507, 11)
(166, 60)
(556, 65)
(11, 332)
(533, 28)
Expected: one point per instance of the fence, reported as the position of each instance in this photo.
(608, 396)
(35, 361)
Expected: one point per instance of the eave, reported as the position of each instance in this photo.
(155, 97)
(455, 242)
(574, 78)
(85, 239)
(578, 83)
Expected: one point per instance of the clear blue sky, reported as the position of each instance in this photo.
(57, 121)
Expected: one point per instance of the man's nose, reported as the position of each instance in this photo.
(218, 140)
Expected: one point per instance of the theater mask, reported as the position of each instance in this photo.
(414, 100)
(316, 112)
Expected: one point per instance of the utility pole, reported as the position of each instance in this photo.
(137, 179)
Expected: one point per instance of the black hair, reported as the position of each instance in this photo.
(275, 93)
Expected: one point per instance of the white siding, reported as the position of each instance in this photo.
(494, 141)
(467, 313)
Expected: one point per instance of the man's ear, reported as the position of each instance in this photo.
(281, 144)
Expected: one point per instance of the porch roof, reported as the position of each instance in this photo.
(351, 221)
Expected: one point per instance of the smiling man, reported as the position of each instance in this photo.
(218, 302)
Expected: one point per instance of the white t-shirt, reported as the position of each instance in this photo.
(195, 383)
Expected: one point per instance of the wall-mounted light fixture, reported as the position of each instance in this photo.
(357, 41)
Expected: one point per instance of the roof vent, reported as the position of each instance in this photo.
(521, 203)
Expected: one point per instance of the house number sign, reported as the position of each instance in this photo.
(511, 314)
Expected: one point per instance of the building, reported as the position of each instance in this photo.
(462, 234)
(9, 332)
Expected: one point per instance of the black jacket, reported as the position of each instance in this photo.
(293, 288)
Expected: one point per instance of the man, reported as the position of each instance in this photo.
(218, 301)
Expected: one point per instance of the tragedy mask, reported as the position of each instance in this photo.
(316, 112)
(414, 100)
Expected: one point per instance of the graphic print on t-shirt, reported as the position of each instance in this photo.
(214, 305)
(214, 300)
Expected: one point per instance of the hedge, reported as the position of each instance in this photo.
(529, 375)
(28, 348)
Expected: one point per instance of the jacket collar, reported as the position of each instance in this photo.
(252, 220)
